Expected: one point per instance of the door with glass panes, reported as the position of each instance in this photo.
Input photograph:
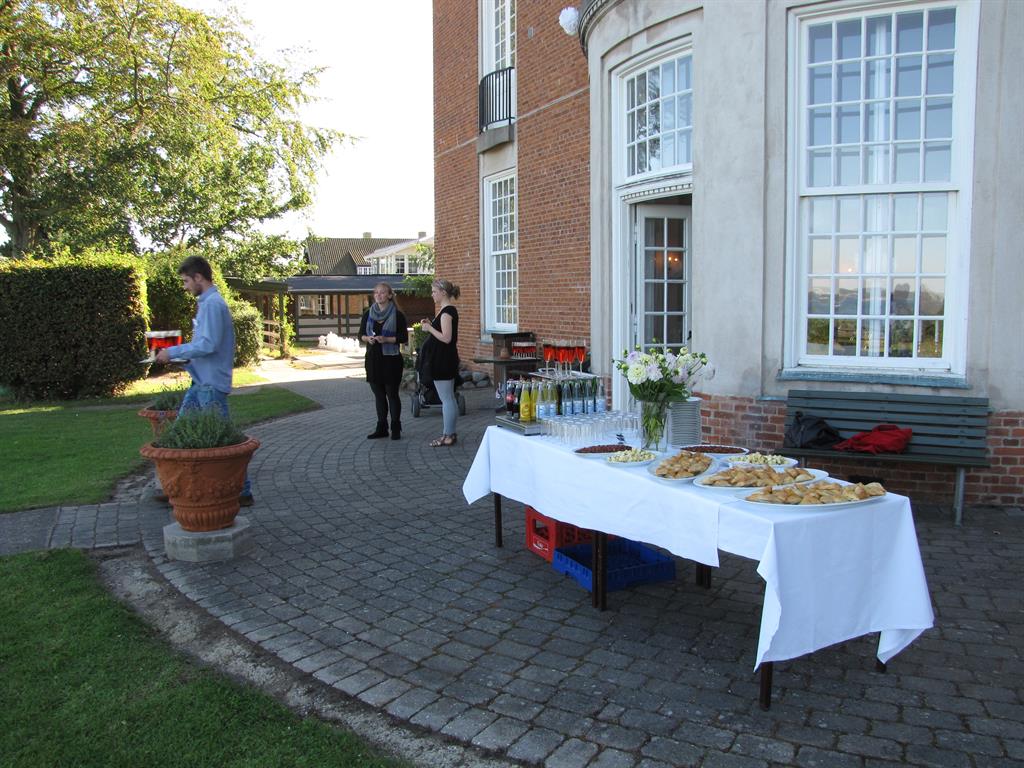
(661, 304)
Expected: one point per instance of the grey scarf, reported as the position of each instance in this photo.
(387, 326)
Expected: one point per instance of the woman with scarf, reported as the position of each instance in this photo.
(383, 329)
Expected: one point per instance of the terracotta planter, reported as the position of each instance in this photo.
(202, 484)
(158, 419)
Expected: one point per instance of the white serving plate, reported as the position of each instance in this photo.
(808, 507)
(816, 474)
(738, 461)
(653, 466)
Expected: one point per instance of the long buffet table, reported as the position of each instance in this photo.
(831, 574)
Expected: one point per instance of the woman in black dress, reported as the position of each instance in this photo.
(383, 328)
(442, 356)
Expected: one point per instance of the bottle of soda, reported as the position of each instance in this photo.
(517, 390)
(526, 404)
(510, 397)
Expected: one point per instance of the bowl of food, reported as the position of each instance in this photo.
(716, 451)
(759, 460)
(601, 451)
(634, 457)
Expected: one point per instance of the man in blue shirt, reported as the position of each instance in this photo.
(211, 353)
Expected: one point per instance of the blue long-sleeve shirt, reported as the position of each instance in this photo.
(212, 349)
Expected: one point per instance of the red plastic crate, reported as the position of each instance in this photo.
(544, 535)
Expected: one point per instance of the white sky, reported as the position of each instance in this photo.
(378, 85)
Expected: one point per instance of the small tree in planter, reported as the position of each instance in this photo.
(201, 460)
(163, 409)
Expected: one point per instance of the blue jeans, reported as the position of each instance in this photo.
(201, 396)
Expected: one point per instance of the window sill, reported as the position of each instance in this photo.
(875, 376)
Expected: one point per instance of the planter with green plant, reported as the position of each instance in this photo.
(201, 459)
(163, 409)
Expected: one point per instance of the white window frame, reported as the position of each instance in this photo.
(489, 35)
(492, 313)
(953, 360)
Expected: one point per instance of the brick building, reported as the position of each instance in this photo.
(818, 194)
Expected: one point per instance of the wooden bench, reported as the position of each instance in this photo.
(947, 429)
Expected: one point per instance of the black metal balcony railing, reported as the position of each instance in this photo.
(497, 102)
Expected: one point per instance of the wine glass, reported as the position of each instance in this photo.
(549, 352)
(580, 351)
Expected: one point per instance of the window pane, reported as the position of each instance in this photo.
(674, 330)
(654, 233)
(820, 85)
(909, 32)
(845, 341)
(675, 233)
(872, 338)
(821, 256)
(654, 265)
(676, 293)
(848, 81)
(630, 94)
(654, 297)
(904, 255)
(820, 127)
(879, 36)
(908, 119)
(934, 209)
(941, 29)
(848, 124)
(820, 43)
(873, 296)
(938, 119)
(902, 300)
(848, 166)
(654, 327)
(908, 163)
(849, 255)
(641, 157)
(904, 209)
(876, 121)
(684, 74)
(684, 146)
(668, 77)
(876, 255)
(668, 114)
(908, 76)
(819, 295)
(668, 150)
(933, 296)
(879, 76)
(848, 39)
(641, 124)
(940, 74)
(876, 213)
(817, 336)
(654, 118)
(876, 165)
(641, 88)
(684, 112)
(929, 342)
(653, 84)
(821, 214)
(849, 214)
(654, 154)
(937, 161)
(820, 168)
(901, 338)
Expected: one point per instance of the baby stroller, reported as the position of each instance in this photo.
(426, 393)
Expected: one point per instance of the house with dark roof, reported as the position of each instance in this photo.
(346, 255)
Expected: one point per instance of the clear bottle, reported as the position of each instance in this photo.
(577, 398)
(601, 401)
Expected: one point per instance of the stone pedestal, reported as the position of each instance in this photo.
(206, 546)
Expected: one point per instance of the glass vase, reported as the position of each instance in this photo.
(653, 415)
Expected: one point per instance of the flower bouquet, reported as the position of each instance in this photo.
(655, 379)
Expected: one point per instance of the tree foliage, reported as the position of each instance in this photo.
(144, 124)
(419, 285)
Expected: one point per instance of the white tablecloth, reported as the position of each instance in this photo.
(830, 575)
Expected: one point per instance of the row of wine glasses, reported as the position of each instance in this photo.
(563, 352)
(591, 429)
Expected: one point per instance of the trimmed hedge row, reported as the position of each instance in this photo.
(72, 327)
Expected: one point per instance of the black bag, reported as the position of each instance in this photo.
(810, 432)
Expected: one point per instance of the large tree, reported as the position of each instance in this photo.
(140, 123)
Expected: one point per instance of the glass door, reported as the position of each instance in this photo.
(661, 306)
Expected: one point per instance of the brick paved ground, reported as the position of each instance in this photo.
(373, 575)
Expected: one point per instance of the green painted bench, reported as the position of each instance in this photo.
(947, 429)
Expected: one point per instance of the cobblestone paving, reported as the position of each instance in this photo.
(373, 575)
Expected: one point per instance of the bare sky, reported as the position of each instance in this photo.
(377, 85)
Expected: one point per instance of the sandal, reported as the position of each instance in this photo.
(444, 441)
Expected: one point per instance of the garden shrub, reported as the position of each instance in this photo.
(248, 331)
(71, 326)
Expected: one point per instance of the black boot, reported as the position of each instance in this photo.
(381, 431)
(396, 430)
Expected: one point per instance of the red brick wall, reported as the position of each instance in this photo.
(758, 425)
(553, 185)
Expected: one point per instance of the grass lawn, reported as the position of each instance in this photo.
(75, 452)
(86, 683)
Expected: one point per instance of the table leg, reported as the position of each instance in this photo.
(497, 519)
(703, 575)
(765, 699)
(599, 561)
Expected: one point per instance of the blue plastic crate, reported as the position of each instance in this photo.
(629, 563)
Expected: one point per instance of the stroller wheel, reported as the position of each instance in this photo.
(462, 403)
(414, 405)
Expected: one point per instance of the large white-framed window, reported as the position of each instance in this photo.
(881, 129)
(658, 111)
(501, 252)
(498, 34)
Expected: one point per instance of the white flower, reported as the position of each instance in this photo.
(636, 373)
(569, 20)
(654, 372)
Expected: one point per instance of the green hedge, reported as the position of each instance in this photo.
(172, 308)
(71, 327)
